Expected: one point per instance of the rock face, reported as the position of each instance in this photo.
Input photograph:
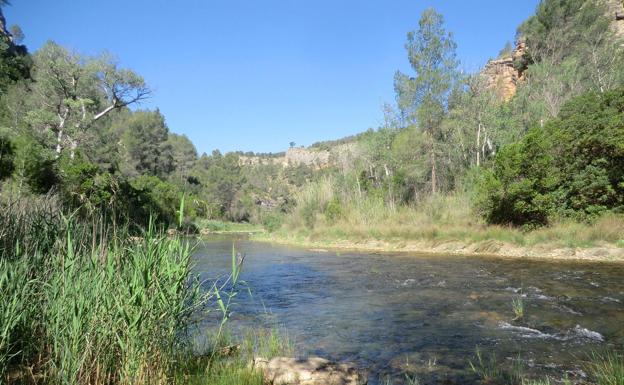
(310, 371)
(3, 29)
(502, 75)
(314, 158)
(311, 158)
(615, 12)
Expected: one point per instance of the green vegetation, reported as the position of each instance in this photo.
(216, 226)
(488, 369)
(573, 167)
(82, 303)
(517, 304)
(607, 368)
(92, 292)
(603, 369)
(456, 162)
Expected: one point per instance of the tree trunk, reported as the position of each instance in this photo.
(59, 140)
(478, 145)
(433, 172)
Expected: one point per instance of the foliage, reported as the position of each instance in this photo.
(15, 63)
(157, 197)
(333, 210)
(7, 153)
(95, 306)
(272, 222)
(422, 99)
(143, 141)
(571, 167)
(519, 188)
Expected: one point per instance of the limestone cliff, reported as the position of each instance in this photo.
(502, 75)
(314, 158)
(615, 12)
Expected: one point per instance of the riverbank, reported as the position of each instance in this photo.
(504, 243)
(212, 226)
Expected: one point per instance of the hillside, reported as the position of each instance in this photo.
(565, 50)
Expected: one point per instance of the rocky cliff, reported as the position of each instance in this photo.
(314, 158)
(615, 11)
(502, 75)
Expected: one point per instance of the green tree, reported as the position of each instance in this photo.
(71, 93)
(143, 144)
(423, 99)
(184, 155)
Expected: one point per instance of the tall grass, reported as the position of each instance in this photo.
(607, 368)
(85, 304)
(517, 304)
(432, 219)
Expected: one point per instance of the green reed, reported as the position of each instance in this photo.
(83, 303)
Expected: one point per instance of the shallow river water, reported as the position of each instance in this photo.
(423, 314)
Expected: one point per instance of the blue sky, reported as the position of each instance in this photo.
(255, 75)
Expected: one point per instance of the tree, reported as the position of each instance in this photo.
(72, 93)
(472, 121)
(184, 154)
(143, 144)
(423, 99)
(15, 62)
(17, 34)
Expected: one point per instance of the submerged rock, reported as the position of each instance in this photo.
(309, 371)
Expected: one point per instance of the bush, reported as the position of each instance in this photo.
(308, 213)
(333, 210)
(272, 222)
(518, 190)
(6, 157)
(157, 197)
(573, 167)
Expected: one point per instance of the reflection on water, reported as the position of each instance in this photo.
(394, 314)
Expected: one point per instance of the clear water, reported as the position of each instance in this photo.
(423, 314)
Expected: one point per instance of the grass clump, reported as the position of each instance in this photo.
(86, 303)
(486, 368)
(607, 368)
(491, 371)
(517, 304)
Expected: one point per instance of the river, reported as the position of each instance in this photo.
(425, 314)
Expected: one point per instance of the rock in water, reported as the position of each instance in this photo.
(309, 371)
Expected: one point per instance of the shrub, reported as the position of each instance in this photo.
(6, 157)
(333, 210)
(518, 189)
(573, 167)
(272, 222)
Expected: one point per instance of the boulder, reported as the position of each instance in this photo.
(308, 371)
